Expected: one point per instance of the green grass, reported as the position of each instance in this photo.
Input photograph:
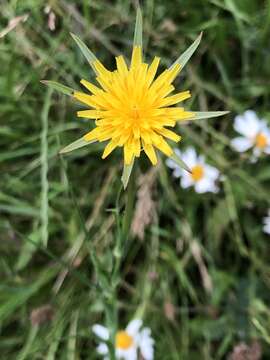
(55, 210)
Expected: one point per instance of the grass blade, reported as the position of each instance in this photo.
(44, 207)
(184, 58)
(58, 87)
(27, 349)
(71, 345)
(137, 41)
(75, 145)
(87, 53)
(59, 329)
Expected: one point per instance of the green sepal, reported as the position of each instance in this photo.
(75, 145)
(137, 41)
(126, 174)
(87, 53)
(184, 58)
(58, 87)
(196, 115)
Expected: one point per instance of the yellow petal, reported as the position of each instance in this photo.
(136, 58)
(171, 100)
(101, 70)
(109, 148)
(136, 145)
(173, 72)
(164, 147)
(169, 134)
(150, 152)
(85, 99)
(90, 114)
(121, 65)
(91, 135)
(151, 73)
(89, 86)
(128, 154)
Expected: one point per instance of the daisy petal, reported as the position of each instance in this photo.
(171, 164)
(205, 185)
(101, 331)
(247, 124)
(267, 150)
(186, 181)
(102, 349)
(130, 354)
(241, 144)
(266, 229)
(266, 222)
(147, 344)
(190, 157)
(211, 172)
(134, 326)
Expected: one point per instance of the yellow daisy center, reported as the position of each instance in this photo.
(123, 340)
(197, 172)
(132, 109)
(261, 141)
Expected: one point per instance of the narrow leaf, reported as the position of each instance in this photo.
(206, 114)
(58, 87)
(73, 333)
(87, 53)
(184, 58)
(126, 174)
(180, 162)
(137, 41)
(75, 145)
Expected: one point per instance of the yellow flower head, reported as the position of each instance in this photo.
(132, 107)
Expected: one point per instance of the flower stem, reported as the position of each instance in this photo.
(129, 205)
(122, 236)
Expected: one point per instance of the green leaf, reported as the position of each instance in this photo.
(126, 174)
(206, 114)
(137, 41)
(75, 145)
(180, 162)
(58, 87)
(87, 53)
(184, 58)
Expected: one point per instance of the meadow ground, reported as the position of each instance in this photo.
(198, 274)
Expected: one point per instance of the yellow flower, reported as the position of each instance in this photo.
(132, 107)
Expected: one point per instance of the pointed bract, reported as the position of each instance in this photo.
(75, 145)
(126, 174)
(87, 53)
(137, 41)
(197, 115)
(58, 87)
(184, 58)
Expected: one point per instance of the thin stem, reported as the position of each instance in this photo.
(129, 205)
(123, 234)
(111, 310)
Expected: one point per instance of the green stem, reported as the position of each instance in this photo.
(129, 205)
(111, 323)
(122, 236)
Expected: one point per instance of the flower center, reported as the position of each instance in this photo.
(123, 340)
(197, 172)
(261, 141)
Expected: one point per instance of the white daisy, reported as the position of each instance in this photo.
(129, 343)
(255, 134)
(202, 176)
(266, 223)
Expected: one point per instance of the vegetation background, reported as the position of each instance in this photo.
(199, 271)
